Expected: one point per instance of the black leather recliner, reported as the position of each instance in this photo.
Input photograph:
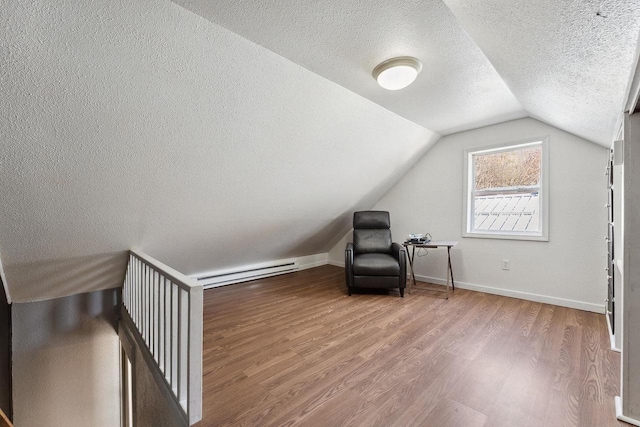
(372, 260)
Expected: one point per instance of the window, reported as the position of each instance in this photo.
(506, 191)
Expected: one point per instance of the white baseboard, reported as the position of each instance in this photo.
(311, 261)
(563, 302)
(580, 305)
(621, 417)
(612, 337)
(244, 273)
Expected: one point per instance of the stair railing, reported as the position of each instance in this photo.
(166, 308)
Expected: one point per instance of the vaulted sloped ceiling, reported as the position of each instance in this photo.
(484, 61)
(142, 125)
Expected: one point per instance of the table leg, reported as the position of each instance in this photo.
(453, 284)
(411, 256)
(447, 281)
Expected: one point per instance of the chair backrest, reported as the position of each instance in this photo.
(371, 232)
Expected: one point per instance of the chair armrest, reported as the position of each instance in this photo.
(399, 252)
(349, 246)
(348, 264)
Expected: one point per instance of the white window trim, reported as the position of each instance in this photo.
(543, 235)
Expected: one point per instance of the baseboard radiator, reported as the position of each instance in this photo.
(248, 272)
(165, 308)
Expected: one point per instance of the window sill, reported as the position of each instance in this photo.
(502, 236)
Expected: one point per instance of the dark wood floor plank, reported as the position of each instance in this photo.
(563, 410)
(224, 407)
(528, 312)
(300, 403)
(567, 378)
(296, 350)
(336, 410)
(418, 407)
(481, 383)
(592, 387)
(449, 413)
(501, 321)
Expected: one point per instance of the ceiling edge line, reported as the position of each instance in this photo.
(486, 57)
(411, 165)
(633, 87)
(435, 138)
(310, 71)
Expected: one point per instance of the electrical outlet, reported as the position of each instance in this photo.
(506, 264)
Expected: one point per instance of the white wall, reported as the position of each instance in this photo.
(630, 304)
(567, 270)
(66, 356)
(140, 124)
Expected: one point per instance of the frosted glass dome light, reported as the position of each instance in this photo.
(397, 73)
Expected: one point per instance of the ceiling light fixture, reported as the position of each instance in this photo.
(397, 73)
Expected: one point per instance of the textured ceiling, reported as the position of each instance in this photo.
(343, 41)
(567, 66)
(142, 125)
(484, 61)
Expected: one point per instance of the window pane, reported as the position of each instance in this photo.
(507, 212)
(514, 168)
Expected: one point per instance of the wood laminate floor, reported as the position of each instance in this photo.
(296, 350)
